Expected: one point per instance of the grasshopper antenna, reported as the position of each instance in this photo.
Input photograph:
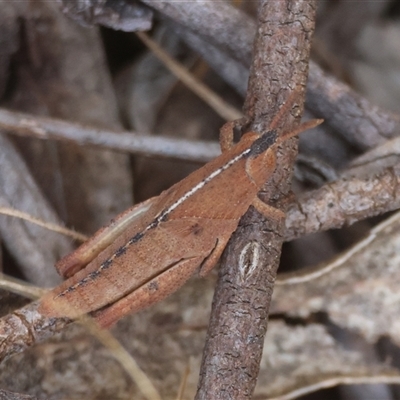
(282, 111)
(301, 128)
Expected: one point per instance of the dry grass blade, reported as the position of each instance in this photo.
(19, 287)
(182, 386)
(48, 225)
(220, 106)
(125, 359)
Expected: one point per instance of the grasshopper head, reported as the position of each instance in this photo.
(261, 159)
(263, 143)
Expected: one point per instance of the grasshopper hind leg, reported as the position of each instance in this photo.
(149, 293)
(212, 259)
(159, 287)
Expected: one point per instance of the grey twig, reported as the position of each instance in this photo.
(241, 304)
(51, 128)
(343, 202)
(25, 327)
(360, 122)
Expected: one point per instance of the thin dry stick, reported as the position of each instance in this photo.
(240, 308)
(343, 202)
(48, 225)
(25, 327)
(220, 106)
(360, 122)
(151, 145)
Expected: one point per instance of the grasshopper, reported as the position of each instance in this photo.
(152, 249)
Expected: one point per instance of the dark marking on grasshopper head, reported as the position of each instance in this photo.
(263, 143)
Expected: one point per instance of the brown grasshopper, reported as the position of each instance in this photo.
(152, 249)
